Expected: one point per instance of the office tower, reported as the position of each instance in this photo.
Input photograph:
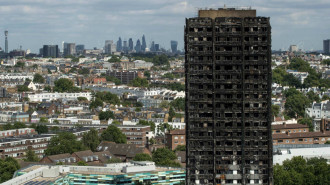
(152, 47)
(144, 44)
(119, 45)
(125, 47)
(107, 46)
(156, 47)
(6, 41)
(174, 46)
(228, 98)
(50, 51)
(138, 46)
(130, 44)
(69, 49)
(80, 48)
(326, 46)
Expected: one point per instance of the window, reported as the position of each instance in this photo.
(176, 137)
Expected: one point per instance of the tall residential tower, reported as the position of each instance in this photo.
(326, 46)
(228, 98)
(6, 41)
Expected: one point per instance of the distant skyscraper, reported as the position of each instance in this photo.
(69, 49)
(50, 51)
(107, 46)
(80, 48)
(119, 45)
(152, 47)
(138, 46)
(293, 48)
(174, 46)
(156, 47)
(6, 41)
(326, 46)
(125, 47)
(144, 44)
(228, 98)
(130, 44)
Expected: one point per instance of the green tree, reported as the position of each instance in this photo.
(64, 142)
(43, 120)
(165, 157)
(142, 157)
(114, 59)
(147, 74)
(82, 99)
(38, 78)
(83, 71)
(47, 88)
(171, 114)
(325, 97)
(20, 65)
(172, 86)
(65, 85)
(179, 104)
(18, 125)
(164, 104)
(308, 122)
(91, 139)
(300, 65)
(22, 88)
(301, 171)
(160, 60)
(115, 122)
(96, 103)
(139, 104)
(180, 148)
(8, 166)
(161, 127)
(148, 123)
(275, 110)
(114, 160)
(295, 103)
(7, 126)
(114, 134)
(81, 163)
(326, 62)
(313, 97)
(108, 97)
(41, 129)
(31, 156)
(113, 79)
(139, 82)
(106, 115)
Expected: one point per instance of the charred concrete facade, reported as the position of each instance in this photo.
(228, 98)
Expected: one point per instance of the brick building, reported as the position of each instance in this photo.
(16, 147)
(136, 134)
(173, 138)
(291, 128)
(126, 76)
(301, 138)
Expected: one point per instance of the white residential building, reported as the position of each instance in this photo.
(140, 64)
(14, 76)
(306, 153)
(75, 120)
(319, 110)
(55, 96)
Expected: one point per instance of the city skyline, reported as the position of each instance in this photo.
(33, 23)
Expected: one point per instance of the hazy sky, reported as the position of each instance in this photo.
(32, 23)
